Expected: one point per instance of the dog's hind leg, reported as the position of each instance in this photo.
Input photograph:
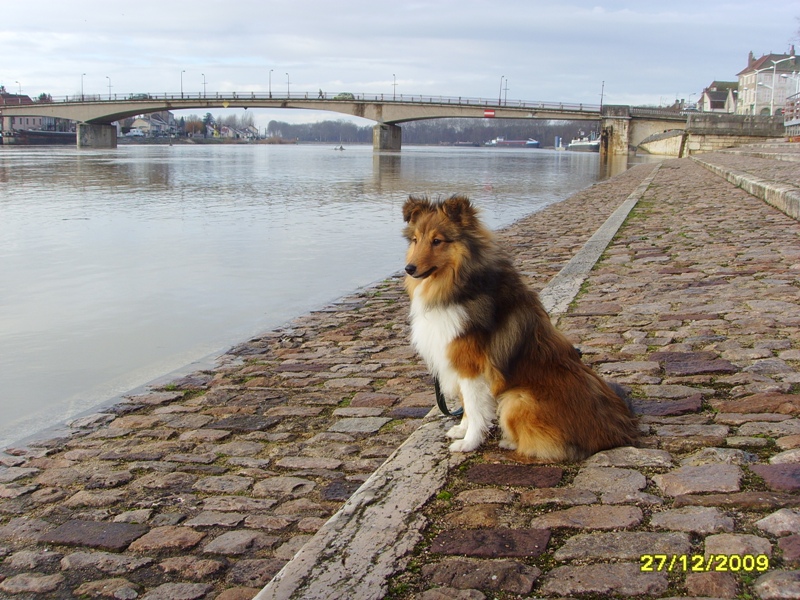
(479, 410)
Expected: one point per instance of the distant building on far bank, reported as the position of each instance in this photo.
(766, 83)
(10, 125)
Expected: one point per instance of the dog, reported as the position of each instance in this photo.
(487, 338)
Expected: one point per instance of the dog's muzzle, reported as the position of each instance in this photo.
(412, 270)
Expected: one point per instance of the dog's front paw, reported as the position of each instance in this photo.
(457, 432)
(464, 446)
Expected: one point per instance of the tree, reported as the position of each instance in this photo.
(208, 121)
(193, 125)
(44, 98)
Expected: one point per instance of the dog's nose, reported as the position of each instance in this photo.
(411, 269)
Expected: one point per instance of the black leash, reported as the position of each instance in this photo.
(442, 404)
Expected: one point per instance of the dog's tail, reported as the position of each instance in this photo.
(623, 393)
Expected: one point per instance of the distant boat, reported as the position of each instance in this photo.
(339, 148)
(503, 142)
(584, 145)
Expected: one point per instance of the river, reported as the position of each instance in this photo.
(119, 266)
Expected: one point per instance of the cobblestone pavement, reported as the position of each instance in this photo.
(206, 488)
(695, 306)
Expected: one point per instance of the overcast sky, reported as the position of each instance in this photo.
(636, 52)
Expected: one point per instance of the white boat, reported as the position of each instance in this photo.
(584, 145)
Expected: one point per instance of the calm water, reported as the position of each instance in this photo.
(119, 266)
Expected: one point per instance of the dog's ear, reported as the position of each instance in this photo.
(460, 210)
(414, 206)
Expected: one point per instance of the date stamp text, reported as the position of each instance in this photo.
(698, 563)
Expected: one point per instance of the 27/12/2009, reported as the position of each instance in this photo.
(698, 563)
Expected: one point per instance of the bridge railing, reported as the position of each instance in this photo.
(329, 97)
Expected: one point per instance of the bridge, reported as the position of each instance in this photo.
(95, 114)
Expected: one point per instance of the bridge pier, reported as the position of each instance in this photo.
(387, 137)
(96, 135)
(615, 130)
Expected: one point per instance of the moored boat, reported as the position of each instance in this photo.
(503, 142)
(29, 137)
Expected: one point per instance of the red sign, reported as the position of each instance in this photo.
(488, 113)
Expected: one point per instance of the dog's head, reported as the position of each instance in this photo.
(436, 232)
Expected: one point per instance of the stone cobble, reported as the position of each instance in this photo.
(695, 307)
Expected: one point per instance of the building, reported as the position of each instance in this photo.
(766, 82)
(157, 124)
(11, 124)
(719, 97)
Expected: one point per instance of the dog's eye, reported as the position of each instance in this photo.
(436, 241)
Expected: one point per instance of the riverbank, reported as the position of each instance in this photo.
(208, 487)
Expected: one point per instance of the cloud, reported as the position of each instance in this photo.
(543, 50)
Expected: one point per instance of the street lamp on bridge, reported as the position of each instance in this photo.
(500, 97)
(394, 87)
(270, 82)
(287, 85)
(182, 72)
(204, 84)
(109, 87)
(82, 76)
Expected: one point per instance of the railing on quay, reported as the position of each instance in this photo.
(648, 111)
(322, 97)
(791, 112)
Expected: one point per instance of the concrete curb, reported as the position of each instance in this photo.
(564, 287)
(356, 551)
(784, 197)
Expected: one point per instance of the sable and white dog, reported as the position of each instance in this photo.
(489, 341)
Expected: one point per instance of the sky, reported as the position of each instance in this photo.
(630, 52)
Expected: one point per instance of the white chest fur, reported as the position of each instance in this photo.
(432, 330)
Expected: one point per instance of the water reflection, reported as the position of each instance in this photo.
(119, 266)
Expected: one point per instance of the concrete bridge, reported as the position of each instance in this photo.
(622, 126)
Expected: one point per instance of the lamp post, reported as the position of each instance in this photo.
(795, 78)
(270, 83)
(774, 65)
(757, 83)
(602, 90)
(204, 84)
(19, 87)
(182, 72)
(500, 97)
(394, 87)
(109, 87)
(287, 85)
(762, 84)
